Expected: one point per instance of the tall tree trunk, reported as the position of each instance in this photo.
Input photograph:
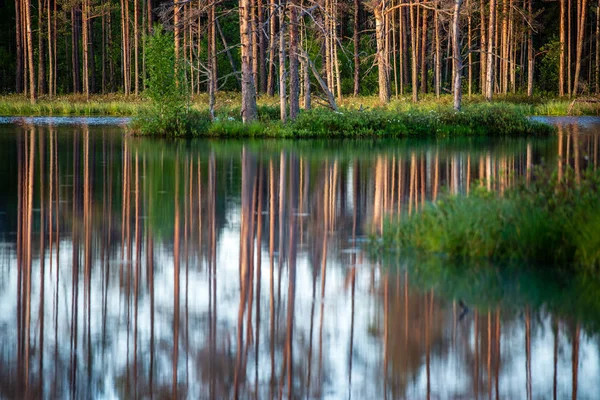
(249, 111)
(563, 39)
(580, 38)
(75, 64)
(294, 73)
(569, 48)
(483, 56)
(50, 52)
(457, 60)
(41, 50)
(491, 62)
(136, 47)
(413, 45)
(424, 53)
(597, 70)
(382, 63)
(32, 94)
(438, 52)
(262, 41)
(255, 55)
(469, 44)
(272, 44)
(19, 37)
(85, 47)
(530, 56)
(282, 72)
(356, 42)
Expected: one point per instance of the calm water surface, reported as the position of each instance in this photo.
(137, 268)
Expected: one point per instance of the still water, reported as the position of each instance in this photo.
(138, 268)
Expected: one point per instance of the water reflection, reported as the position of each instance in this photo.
(140, 268)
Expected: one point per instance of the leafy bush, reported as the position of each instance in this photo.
(167, 90)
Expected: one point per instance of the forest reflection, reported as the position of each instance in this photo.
(134, 268)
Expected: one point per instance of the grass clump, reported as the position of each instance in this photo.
(476, 120)
(548, 222)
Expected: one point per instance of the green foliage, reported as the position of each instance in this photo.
(550, 65)
(547, 222)
(167, 89)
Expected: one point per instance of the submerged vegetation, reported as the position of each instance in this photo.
(554, 220)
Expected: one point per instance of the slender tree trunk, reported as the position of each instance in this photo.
(438, 52)
(424, 52)
(136, 47)
(255, 52)
(482, 49)
(413, 45)
(457, 60)
(19, 37)
(262, 41)
(561, 67)
(294, 73)
(530, 56)
(597, 70)
(356, 42)
(569, 49)
(41, 50)
(85, 48)
(580, 38)
(469, 44)
(282, 72)
(50, 52)
(249, 111)
(272, 44)
(491, 62)
(75, 51)
(382, 64)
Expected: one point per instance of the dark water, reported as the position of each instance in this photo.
(136, 268)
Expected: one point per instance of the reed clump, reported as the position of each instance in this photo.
(548, 222)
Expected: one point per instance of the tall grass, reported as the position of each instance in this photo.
(548, 222)
(475, 120)
(109, 105)
(229, 104)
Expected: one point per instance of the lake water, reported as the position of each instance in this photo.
(140, 268)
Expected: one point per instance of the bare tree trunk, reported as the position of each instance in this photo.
(32, 94)
(356, 41)
(272, 43)
(136, 47)
(262, 41)
(249, 111)
(469, 44)
(580, 38)
(413, 45)
(597, 70)
(569, 50)
(490, 56)
(50, 52)
(530, 56)
(561, 67)
(294, 73)
(438, 52)
(457, 60)
(19, 37)
(85, 47)
(382, 63)
(75, 50)
(41, 50)
(482, 49)
(424, 53)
